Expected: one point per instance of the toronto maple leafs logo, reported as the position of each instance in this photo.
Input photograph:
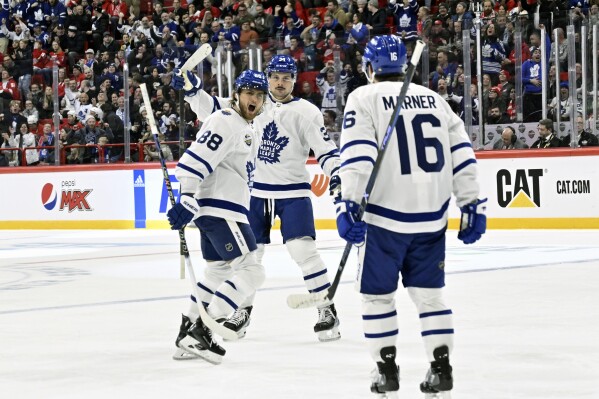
(271, 145)
(250, 167)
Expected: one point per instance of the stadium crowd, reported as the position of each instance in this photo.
(92, 40)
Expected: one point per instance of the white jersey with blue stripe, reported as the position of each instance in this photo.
(222, 160)
(428, 157)
(288, 132)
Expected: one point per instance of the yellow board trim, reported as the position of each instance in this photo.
(321, 224)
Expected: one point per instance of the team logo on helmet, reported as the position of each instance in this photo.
(250, 79)
(283, 64)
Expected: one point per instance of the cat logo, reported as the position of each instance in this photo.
(523, 193)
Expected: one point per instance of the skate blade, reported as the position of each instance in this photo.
(182, 354)
(192, 346)
(438, 395)
(388, 395)
(329, 335)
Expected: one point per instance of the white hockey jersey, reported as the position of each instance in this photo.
(288, 132)
(428, 157)
(222, 160)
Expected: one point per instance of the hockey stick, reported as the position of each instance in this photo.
(299, 301)
(206, 319)
(197, 57)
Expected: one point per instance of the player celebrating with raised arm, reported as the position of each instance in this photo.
(215, 174)
(428, 157)
(281, 183)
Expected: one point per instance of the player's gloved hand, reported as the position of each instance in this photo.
(189, 82)
(350, 228)
(334, 185)
(474, 221)
(183, 212)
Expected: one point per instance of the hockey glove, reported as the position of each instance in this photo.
(334, 185)
(350, 228)
(474, 221)
(179, 80)
(183, 212)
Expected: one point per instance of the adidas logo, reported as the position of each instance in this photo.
(139, 182)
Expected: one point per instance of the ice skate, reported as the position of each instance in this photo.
(181, 354)
(439, 380)
(385, 377)
(239, 321)
(200, 342)
(327, 326)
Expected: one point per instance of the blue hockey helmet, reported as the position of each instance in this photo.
(250, 79)
(387, 55)
(283, 64)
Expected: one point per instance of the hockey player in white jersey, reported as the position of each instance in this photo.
(215, 173)
(281, 184)
(428, 157)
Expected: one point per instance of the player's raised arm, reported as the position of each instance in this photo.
(201, 103)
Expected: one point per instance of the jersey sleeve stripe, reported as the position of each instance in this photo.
(461, 145)
(222, 204)
(358, 142)
(328, 154)
(321, 288)
(357, 159)
(282, 187)
(190, 170)
(324, 161)
(311, 276)
(334, 170)
(201, 160)
(461, 166)
(216, 105)
(407, 217)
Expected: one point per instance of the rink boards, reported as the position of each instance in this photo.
(526, 189)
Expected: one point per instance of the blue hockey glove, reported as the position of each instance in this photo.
(350, 228)
(474, 221)
(178, 82)
(183, 212)
(334, 185)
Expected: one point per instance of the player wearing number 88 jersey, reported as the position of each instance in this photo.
(427, 158)
(215, 173)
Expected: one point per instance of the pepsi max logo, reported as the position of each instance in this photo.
(49, 196)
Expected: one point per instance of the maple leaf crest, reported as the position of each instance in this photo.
(271, 144)
(250, 167)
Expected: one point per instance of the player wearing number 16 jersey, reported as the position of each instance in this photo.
(428, 157)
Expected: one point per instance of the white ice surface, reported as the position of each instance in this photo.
(94, 314)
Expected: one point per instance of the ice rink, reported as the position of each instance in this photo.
(94, 314)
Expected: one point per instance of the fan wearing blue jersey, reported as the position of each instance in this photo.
(427, 158)
(291, 127)
(215, 174)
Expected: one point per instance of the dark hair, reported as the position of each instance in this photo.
(548, 123)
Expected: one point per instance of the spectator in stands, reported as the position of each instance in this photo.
(376, 22)
(330, 121)
(337, 12)
(75, 44)
(459, 100)
(463, 15)
(585, 139)
(8, 90)
(488, 15)
(100, 23)
(108, 45)
(494, 99)
(444, 69)
(9, 158)
(79, 18)
(90, 135)
(565, 104)
(30, 110)
(54, 12)
(263, 22)
(215, 11)
(151, 153)
(562, 50)
(532, 77)
(27, 138)
(140, 60)
(509, 140)
(157, 14)
(327, 84)
(70, 101)
(312, 32)
(13, 117)
(497, 116)
(357, 79)
(46, 155)
(493, 53)
(47, 108)
(247, 34)
(37, 95)
(505, 85)
(547, 139)
(308, 95)
(21, 31)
